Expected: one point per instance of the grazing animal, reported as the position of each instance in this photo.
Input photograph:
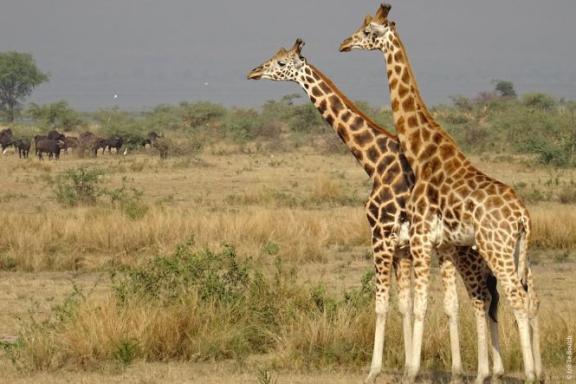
(89, 141)
(115, 142)
(51, 147)
(5, 139)
(162, 145)
(378, 151)
(70, 142)
(55, 135)
(454, 204)
(23, 146)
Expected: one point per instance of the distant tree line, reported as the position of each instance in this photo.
(499, 121)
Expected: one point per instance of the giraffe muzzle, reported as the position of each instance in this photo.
(347, 45)
(256, 73)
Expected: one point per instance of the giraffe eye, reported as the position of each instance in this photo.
(281, 63)
(366, 32)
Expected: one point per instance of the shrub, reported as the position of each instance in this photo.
(78, 186)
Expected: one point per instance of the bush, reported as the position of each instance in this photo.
(201, 113)
(78, 186)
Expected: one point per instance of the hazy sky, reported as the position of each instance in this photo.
(165, 51)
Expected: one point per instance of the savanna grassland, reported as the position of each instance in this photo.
(280, 259)
(245, 256)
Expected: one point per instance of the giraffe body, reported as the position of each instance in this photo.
(378, 151)
(453, 203)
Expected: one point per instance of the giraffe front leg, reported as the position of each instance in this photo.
(403, 269)
(421, 249)
(448, 273)
(383, 257)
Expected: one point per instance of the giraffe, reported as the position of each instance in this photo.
(378, 151)
(453, 203)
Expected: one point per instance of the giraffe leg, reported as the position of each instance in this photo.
(481, 287)
(421, 249)
(383, 257)
(448, 273)
(403, 269)
(533, 309)
(500, 258)
(497, 365)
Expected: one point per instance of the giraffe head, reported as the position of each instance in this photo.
(372, 35)
(284, 65)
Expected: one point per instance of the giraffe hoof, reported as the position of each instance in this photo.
(371, 379)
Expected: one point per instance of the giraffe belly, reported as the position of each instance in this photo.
(461, 235)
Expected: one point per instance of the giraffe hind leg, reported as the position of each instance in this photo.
(451, 307)
(383, 258)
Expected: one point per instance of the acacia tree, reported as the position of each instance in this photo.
(18, 77)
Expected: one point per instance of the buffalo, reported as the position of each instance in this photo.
(5, 139)
(23, 147)
(51, 147)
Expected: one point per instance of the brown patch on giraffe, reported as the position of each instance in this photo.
(346, 116)
(371, 220)
(425, 133)
(322, 106)
(399, 57)
(313, 99)
(373, 154)
(369, 169)
(396, 43)
(309, 79)
(392, 84)
(316, 91)
(395, 105)
(330, 119)
(408, 104)
(389, 73)
(316, 75)
(427, 153)
(325, 87)
(436, 138)
(336, 104)
(446, 151)
(308, 71)
(406, 77)
(402, 91)
(413, 122)
(389, 59)
(343, 133)
(397, 69)
(363, 138)
(414, 141)
(357, 154)
(357, 124)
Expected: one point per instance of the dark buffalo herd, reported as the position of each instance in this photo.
(54, 142)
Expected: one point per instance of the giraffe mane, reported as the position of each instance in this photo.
(371, 123)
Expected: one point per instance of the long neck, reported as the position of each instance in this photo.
(366, 140)
(419, 134)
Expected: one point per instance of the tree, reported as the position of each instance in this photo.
(18, 77)
(505, 88)
(56, 115)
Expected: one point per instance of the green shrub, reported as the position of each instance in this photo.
(78, 186)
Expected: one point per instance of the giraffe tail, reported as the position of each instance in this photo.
(521, 256)
(495, 297)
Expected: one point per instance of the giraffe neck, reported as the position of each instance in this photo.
(419, 134)
(362, 136)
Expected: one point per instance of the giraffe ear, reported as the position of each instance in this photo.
(298, 45)
(382, 12)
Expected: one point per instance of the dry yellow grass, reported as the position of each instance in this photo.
(302, 207)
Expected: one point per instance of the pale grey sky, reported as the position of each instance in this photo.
(166, 51)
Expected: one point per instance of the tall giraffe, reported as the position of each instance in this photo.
(453, 203)
(378, 151)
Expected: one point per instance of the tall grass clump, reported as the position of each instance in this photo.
(199, 304)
